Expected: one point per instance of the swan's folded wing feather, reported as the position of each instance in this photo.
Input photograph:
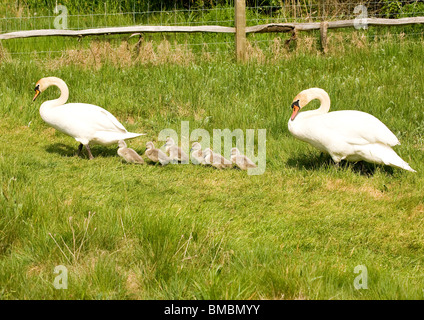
(114, 121)
(93, 116)
(358, 127)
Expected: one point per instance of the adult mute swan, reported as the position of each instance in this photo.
(87, 123)
(346, 135)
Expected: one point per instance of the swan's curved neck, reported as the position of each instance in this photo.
(64, 92)
(323, 98)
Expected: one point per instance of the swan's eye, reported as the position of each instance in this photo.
(37, 87)
(295, 104)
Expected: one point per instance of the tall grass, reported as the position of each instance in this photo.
(190, 232)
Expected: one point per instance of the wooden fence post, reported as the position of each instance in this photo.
(323, 32)
(240, 24)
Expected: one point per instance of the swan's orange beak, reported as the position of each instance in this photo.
(296, 108)
(37, 92)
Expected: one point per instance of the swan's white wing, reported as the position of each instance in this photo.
(356, 127)
(89, 116)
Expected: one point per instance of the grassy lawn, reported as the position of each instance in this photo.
(190, 232)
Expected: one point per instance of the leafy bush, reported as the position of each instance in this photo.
(415, 9)
(401, 9)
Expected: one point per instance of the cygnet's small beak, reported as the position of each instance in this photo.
(37, 92)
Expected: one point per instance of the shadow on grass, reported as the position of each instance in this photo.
(71, 151)
(319, 161)
(62, 149)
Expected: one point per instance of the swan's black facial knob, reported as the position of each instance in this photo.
(37, 92)
(295, 104)
(296, 107)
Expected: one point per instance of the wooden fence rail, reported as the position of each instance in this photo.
(271, 27)
(114, 30)
(240, 30)
(286, 27)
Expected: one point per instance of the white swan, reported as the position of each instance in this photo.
(87, 123)
(346, 135)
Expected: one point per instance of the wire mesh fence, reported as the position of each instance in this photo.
(42, 14)
(79, 15)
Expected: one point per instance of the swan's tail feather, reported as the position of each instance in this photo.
(131, 135)
(108, 138)
(399, 163)
(392, 159)
(383, 154)
(405, 166)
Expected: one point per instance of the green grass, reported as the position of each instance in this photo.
(190, 232)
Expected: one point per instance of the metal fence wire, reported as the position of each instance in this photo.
(80, 15)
